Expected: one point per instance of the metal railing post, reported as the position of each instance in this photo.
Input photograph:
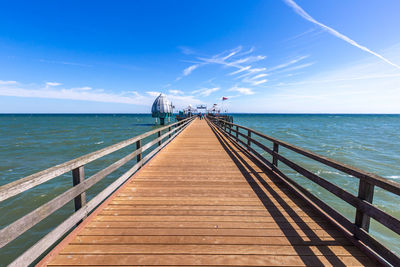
(237, 133)
(78, 176)
(159, 135)
(365, 192)
(169, 130)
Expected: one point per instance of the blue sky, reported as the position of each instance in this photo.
(332, 56)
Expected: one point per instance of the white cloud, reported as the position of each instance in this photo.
(248, 60)
(291, 62)
(240, 70)
(186, 50)
(86, 93)
(332, 31)
(298, 67)
(368, 86)
(7, 82)
(205, 91)
(48, 84)
(71, 94)
(189, 69)
(259, 76)
(240, 60)
(153, 93)
(242, 90)
(259, 82)
(84, 88)
(176, 92)
(64, 63)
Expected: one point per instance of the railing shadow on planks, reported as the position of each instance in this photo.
(80, 185)
(357, 232)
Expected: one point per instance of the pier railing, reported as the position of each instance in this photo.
(363, 202)
(162, 136)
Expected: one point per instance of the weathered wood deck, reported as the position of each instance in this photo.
(202, 201)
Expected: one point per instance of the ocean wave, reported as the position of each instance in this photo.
(393, 177)
(98, 143)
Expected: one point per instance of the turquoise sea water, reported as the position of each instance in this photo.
(31, 143)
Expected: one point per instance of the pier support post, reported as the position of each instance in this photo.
(138, 146)
(275, 158)
(365, 192)
(78, 175)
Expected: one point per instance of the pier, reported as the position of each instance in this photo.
(205, 196)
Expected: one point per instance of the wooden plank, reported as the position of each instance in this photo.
(219, 225)
(211, 250)
(149, 218)
(211, 232)
(210, 240)
(210, 260)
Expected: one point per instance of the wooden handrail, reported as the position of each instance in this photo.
(374, 179)
(363, 202)
(23, 184)
(81, 185)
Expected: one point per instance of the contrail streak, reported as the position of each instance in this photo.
(306, 16)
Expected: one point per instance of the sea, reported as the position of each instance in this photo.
(33, 142)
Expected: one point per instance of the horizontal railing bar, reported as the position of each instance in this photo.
(374, 179)
(48, 240)
(379, 215)
(387, 220)
(12, 231)
(269, 164)
(343, 221)
(324, 208)
(23, 184)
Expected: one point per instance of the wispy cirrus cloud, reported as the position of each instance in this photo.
(234, 58)
(189, 69)
(300, 11)
(246, 64)
(205, 91)
(64, 63)
(287, 64)
(242, 90)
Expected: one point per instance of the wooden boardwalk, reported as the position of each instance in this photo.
(202, 201)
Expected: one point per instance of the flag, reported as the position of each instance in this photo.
(224, 98)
